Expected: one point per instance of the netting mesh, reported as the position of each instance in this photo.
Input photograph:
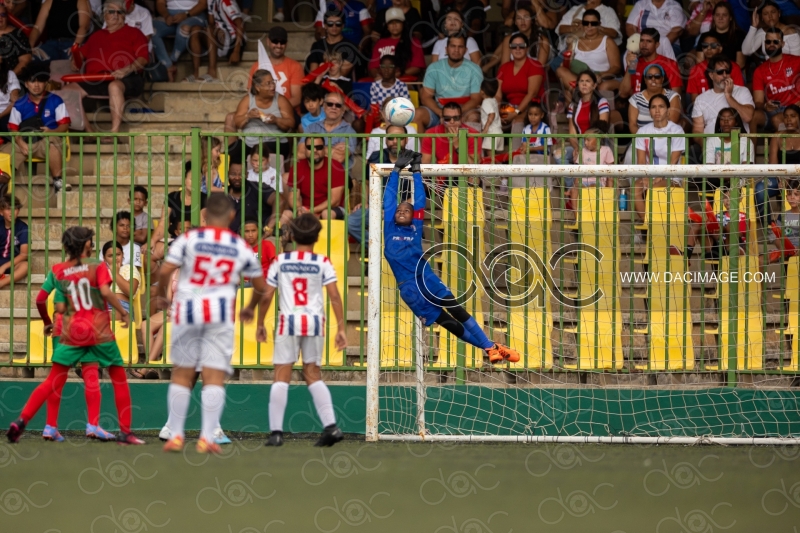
(662, 319)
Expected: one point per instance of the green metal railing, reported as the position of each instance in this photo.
(156, 161)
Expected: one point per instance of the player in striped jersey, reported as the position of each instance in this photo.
(300, 276)
(212, 260)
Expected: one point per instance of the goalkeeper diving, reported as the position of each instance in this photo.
(422, 290)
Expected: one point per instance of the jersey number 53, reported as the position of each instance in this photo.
(202, 274)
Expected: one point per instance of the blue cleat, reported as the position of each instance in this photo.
(51, 433)
(96, 432)
(220, 437)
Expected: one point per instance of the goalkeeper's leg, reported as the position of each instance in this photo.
(461, 324)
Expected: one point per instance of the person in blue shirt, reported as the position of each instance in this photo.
(422, 290)
(13, 242)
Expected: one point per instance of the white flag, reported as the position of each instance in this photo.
(264, 63)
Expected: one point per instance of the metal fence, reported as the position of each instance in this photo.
(104, 176)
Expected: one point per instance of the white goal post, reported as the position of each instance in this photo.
(419, 428)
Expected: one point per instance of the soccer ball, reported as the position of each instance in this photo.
(399, 111)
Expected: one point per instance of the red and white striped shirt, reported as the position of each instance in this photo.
(299, 278)
(212, 262)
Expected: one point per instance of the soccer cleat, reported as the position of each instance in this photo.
(512, 356)
(220, 437)
(203, 446)
(15, 430)
(129, 438)
(494, 354)
(96, 432)
(165, 434)
(275, 439)
(174, 444)
(51, 433)
(330, 436)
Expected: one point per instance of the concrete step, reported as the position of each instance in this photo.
(188, 102)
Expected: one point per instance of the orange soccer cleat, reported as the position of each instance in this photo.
(175, 444)
(498, 353)
(204, 446)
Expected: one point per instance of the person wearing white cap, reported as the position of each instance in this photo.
(397, 41)
(413, 20)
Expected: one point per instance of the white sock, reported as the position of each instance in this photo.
(178, 398)
(213, 405)
(278, 396)
(323, 402)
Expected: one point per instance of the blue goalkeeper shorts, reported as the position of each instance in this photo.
(429, 306)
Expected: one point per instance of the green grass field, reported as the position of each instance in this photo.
(81, 486)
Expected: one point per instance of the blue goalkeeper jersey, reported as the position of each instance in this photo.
(403, 244)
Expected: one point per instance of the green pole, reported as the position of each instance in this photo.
(733, 301)
(196, 170)
(463, 152)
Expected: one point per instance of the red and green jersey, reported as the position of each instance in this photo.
(87, 321)
(50, 284)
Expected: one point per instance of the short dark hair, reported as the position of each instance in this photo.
(490, 87)
(388, 57)
(142, 189)
(793, 184)
(312, 91)
(305, 229)
(658, 97)
(452, 105)
(218, 205)
(652, 32)
(254, 150)
(251, 221)
(457, 36)
(10, 201)
(112, 244)
(774, 30)
(74, 240)
(719, 59)
(333, 13)
(35, 72)
(592, 13)
(121, 215)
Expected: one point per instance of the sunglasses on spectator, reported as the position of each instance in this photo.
(772, 41)
(590, 22)
(706, 46)
(723, 71)
(278, 42)
(653, 77)
(316, 147)
(388, 66)
(334, 104)
(114, 12)
(517, 46)
(331, 24)
(452, 118)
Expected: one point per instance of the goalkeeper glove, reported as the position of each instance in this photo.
(416, 161)
(404, 158)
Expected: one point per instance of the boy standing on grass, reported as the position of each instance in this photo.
(141, 220)
(10, 205)
(301, 276)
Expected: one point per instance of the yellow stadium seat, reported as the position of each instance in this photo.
(69, 153)
(749, 318)
(530, 326)
(397, 323)
(333, 243)
(5, 163)
(126, 342)
(223, 168)
(665, 222)
(245, 347)
(599, 327)
(792, 294)
(40, 347)
(414, 97)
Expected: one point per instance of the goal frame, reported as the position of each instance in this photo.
(379, 171)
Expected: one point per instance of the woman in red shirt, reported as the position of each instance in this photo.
(587, 107)
(397, 41)
(521, 81)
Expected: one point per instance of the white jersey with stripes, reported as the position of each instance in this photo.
(212, 262)
(299, 278)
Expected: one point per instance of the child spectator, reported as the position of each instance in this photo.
(10, 205)
(536, 126)
(589, 156)
(334, 73)
(123, 286)
(388, 86)
(266, 254)
(207, 161)
(789, 228)
(259, 169)
(123, 236)
(313, 97)
(141, 220)
(490, 117)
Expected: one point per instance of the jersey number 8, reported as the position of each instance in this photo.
(300, 286)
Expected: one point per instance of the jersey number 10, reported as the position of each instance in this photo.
(81, 294)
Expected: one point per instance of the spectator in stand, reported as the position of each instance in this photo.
(594, 51)
(453, 80)
(28, 116)
(708, 46)
(775, 82)
(334, 41)
(259, 169)
(14, 46)
(10, 205)
(226, 36)
(357, 20)
(535, 126)
(181, 19)
(375, 144)
(396, 41)
(9, 93)
(520, 81)
(411, 18)
(120, 50)
(453, 24)
(177, 213)
(639, 108)
(333, 74)
(490, 118)
(769, 16)
(388, 86)
(142, 225)
(288, 72)
(587, 107)
(263, 111)
(665, 16)
(474, 12)
(265, 251)
(538, 44)
(209, 166)
(257, 200)
(648, 44)
(722, 94)
(730, 36)
(136, 16)
(121, 226)
(657, 150)
(718, 149)
(785, 150)
(313, 102)
(64, 24)
(319, 189)
(572, 26)
(340, 148)
(20, 9)
(126, 277)
(446, 148)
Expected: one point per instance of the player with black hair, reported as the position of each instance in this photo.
(83, 292)
(421, 289)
